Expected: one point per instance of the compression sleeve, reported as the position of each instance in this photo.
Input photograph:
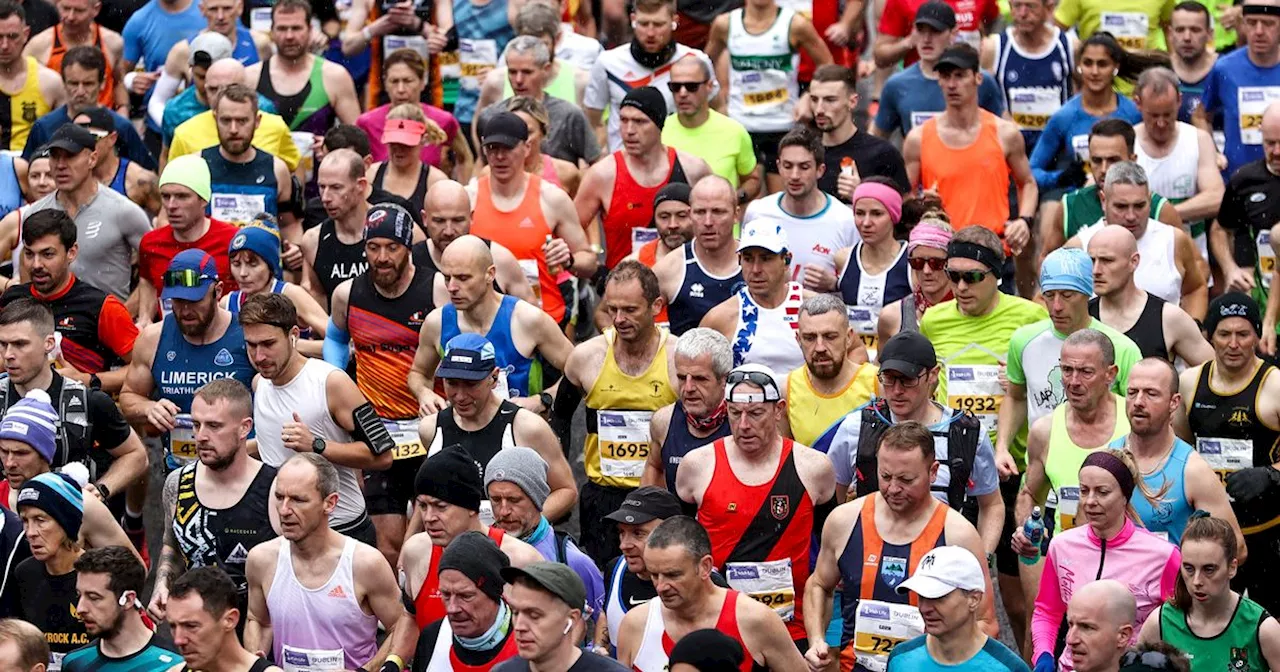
(335, 345)
(562, 409)
(164, 89)
(1049, 610)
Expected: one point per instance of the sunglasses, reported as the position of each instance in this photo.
(934, 263)
(969, 277)
(1151, 659)
(186, 277)
(674, 87)
(757, 378)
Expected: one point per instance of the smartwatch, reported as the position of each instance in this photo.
(318, 445)
(103, 490)
(546, 399)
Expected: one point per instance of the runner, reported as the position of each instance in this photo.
(403, 173)
(77, 26)
(483, 30)
(706, 273)
(833, 97)
(542, 595)
(215, 507)
(485, 424)
(1136, 25)
(404, 76)
(24, 645)
(786, 488)
(1243, 84)
(1191, 29)
(246, 181)
(315, 595)
(256, 266)
(1159, 329)
(678, 555)
(122, 175)
(343, 191)
(562, 173)
(870, 544)
(627, 374)
(815, 222)
(110, 582)
(762, 319)
(1099, 628)
(1241, 238)
(873, 272)
(698, 129)
(619, 191)
(1032, 61)
(202, 617)
(31, 90)
(821, 392)
(699, 416)
(927, 257)
(673, 225)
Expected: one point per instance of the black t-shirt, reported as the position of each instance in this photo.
(1251, 201)
(872, 156)
(13, 550)
(107, 427)
(587, 662)
(49, 603)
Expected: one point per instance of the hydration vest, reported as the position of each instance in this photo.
(963, 435)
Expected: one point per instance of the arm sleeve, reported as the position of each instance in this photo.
(110, 429)
(335, 348)
(1046, 153)
(164, 89)
(983, 480)
(1049, 610)
(1169, 578)
(115, 327)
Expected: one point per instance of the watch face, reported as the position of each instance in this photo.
(317, 445)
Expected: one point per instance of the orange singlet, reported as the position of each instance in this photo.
(648, 255)
(106, 96)
(523, 231)
(973, 181)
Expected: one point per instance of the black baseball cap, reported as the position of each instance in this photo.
(646, 503)
(908, 353)
(71, 138)
(937, 15)
(99, 119)
(553, 577)
(504, 128)
(958, 57)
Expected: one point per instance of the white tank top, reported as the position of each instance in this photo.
(768, 335)
(651, 656)
(763, 80)
(305, 395)
(440, 652)
(1174, 175)
(322, 629)
(614, 610)
(1157, 263)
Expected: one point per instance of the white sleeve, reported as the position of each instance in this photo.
(164, 89)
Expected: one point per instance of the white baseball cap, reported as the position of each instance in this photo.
(763, 233)
(943, 570)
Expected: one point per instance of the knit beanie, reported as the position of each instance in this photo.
(479, 559)
(57, 495)
(522, 466)
(451, 475)
(261, 241)
(34, 422)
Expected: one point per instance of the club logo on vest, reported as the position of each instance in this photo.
(171, 355)
(696, 290)
(223, 358)
(780, 506)
(893, 571)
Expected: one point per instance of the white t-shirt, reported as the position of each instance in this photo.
(813, 239)
(615, 73)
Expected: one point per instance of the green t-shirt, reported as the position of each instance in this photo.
(722, 142)
(1034, 351)
(971, 351)
(1082, 208)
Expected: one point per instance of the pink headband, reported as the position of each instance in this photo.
(887, 195)
(926, 234)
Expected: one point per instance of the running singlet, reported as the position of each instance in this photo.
(106, 95)
(655, 644)
(1148, 331)
(308, 110)
(1168, 517)
(1235, 648)
(180, 368)
(631, 206)
(49, 603)
(337, 261)
(680, 441)
(518, 375)
(223, 537)
(1229, 434)
(760, 534)
(119, 183)
(320, 629)
(1157, 259)
(20, 109)
(768, 335)
(876, 617)
(865, 294)
(428, 607)
(385, 334)
(236, 299)
(242, 191)
(1174, 174)
(763, 88)
(1064, 459)
(153, 656)
(619, 408)
(482, 444)
(699, 293)
(444, 653)
(811, 412)
(419, 196)
(523, 231)
(984, 202)
(11, 197)
(1035, 86)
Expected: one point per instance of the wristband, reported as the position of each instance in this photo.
(128, 78)
(393, 663)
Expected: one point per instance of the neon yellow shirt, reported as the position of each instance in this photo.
(201, 132)
(811, 413)
(722, 142)
(1136, 24)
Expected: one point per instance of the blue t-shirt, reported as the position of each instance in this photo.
(129, 145)
(913, 655)
(909, 99)
(1236, 86)
(150, 34)
(1067, 135)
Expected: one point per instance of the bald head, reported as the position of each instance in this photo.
(220, 75)
(467, 252)
(1110, 597)
(1115, 238)
(343, 164)
(447, 194)
(447, 213)
(713, 189)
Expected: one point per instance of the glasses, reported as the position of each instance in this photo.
(969, 277)
(674, 87)
(1152, 659)
(186, 277)
(905, 382)
(934, 263)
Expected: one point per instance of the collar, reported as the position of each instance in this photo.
(1121, 537)
(55, 295)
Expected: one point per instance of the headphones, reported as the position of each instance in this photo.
(568, 625)
(293, 340)
(1114, 73)
(124, 600)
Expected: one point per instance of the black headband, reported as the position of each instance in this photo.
(976, 252)
(1105, 460)
(1268, 10)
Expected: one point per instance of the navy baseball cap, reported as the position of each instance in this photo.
(467, 357)
(190, 275)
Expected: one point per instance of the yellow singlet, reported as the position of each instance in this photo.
(618, 411)
(22, 109)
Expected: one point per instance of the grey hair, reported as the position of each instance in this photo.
(821, 304)
(1157, 80)
(1126, 172)
(326, 473)
(528, 44)
(702, 341)
(1097, 339)
(684, 532)
(538, 19)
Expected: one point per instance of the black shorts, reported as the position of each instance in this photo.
(1006, 559)
(389, 492)
(766, 148)
(361, 529)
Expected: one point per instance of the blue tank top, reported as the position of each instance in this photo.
(519, 369)
(118, 183)
(241, 191)
(10, 189)
(1171, 513)
(245, 50)
(236, 298)
(1193, 97)
(1032, 82)
(180, 368)
(700, 293)
(679, 442)
(878, 291)
(483, 34)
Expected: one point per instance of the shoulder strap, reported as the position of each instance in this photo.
(775, 513)
(962, 449)
(874, 425)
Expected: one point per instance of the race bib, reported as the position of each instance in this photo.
(475, 58)
(1266, 258)
(762, 98)
(260, 19)
(486, 513)
(1129, 28)
(976, 388)
(417, 43)
(918, 118)
(1031, 106)
(238, 209)
(863, 320)
(1080, 145)
(624, 442)
(1068, 505)
(305, 142)
(880, 626)
(405, 434)
(766, 582)
(641, 236)
(1226, 456)
(530, 268)
(311, 660)
(1253, 101)
(449, 67)
(181, 446)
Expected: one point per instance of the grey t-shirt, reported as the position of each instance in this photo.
(569, 136)
(108, 230)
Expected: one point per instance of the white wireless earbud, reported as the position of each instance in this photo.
(293, 340)
(1115, 73)
(674, 24)
(633, 25)
(567, 627)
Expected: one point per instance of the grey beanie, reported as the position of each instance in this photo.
(522, 466)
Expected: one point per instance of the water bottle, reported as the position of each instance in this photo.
(1033, 529)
